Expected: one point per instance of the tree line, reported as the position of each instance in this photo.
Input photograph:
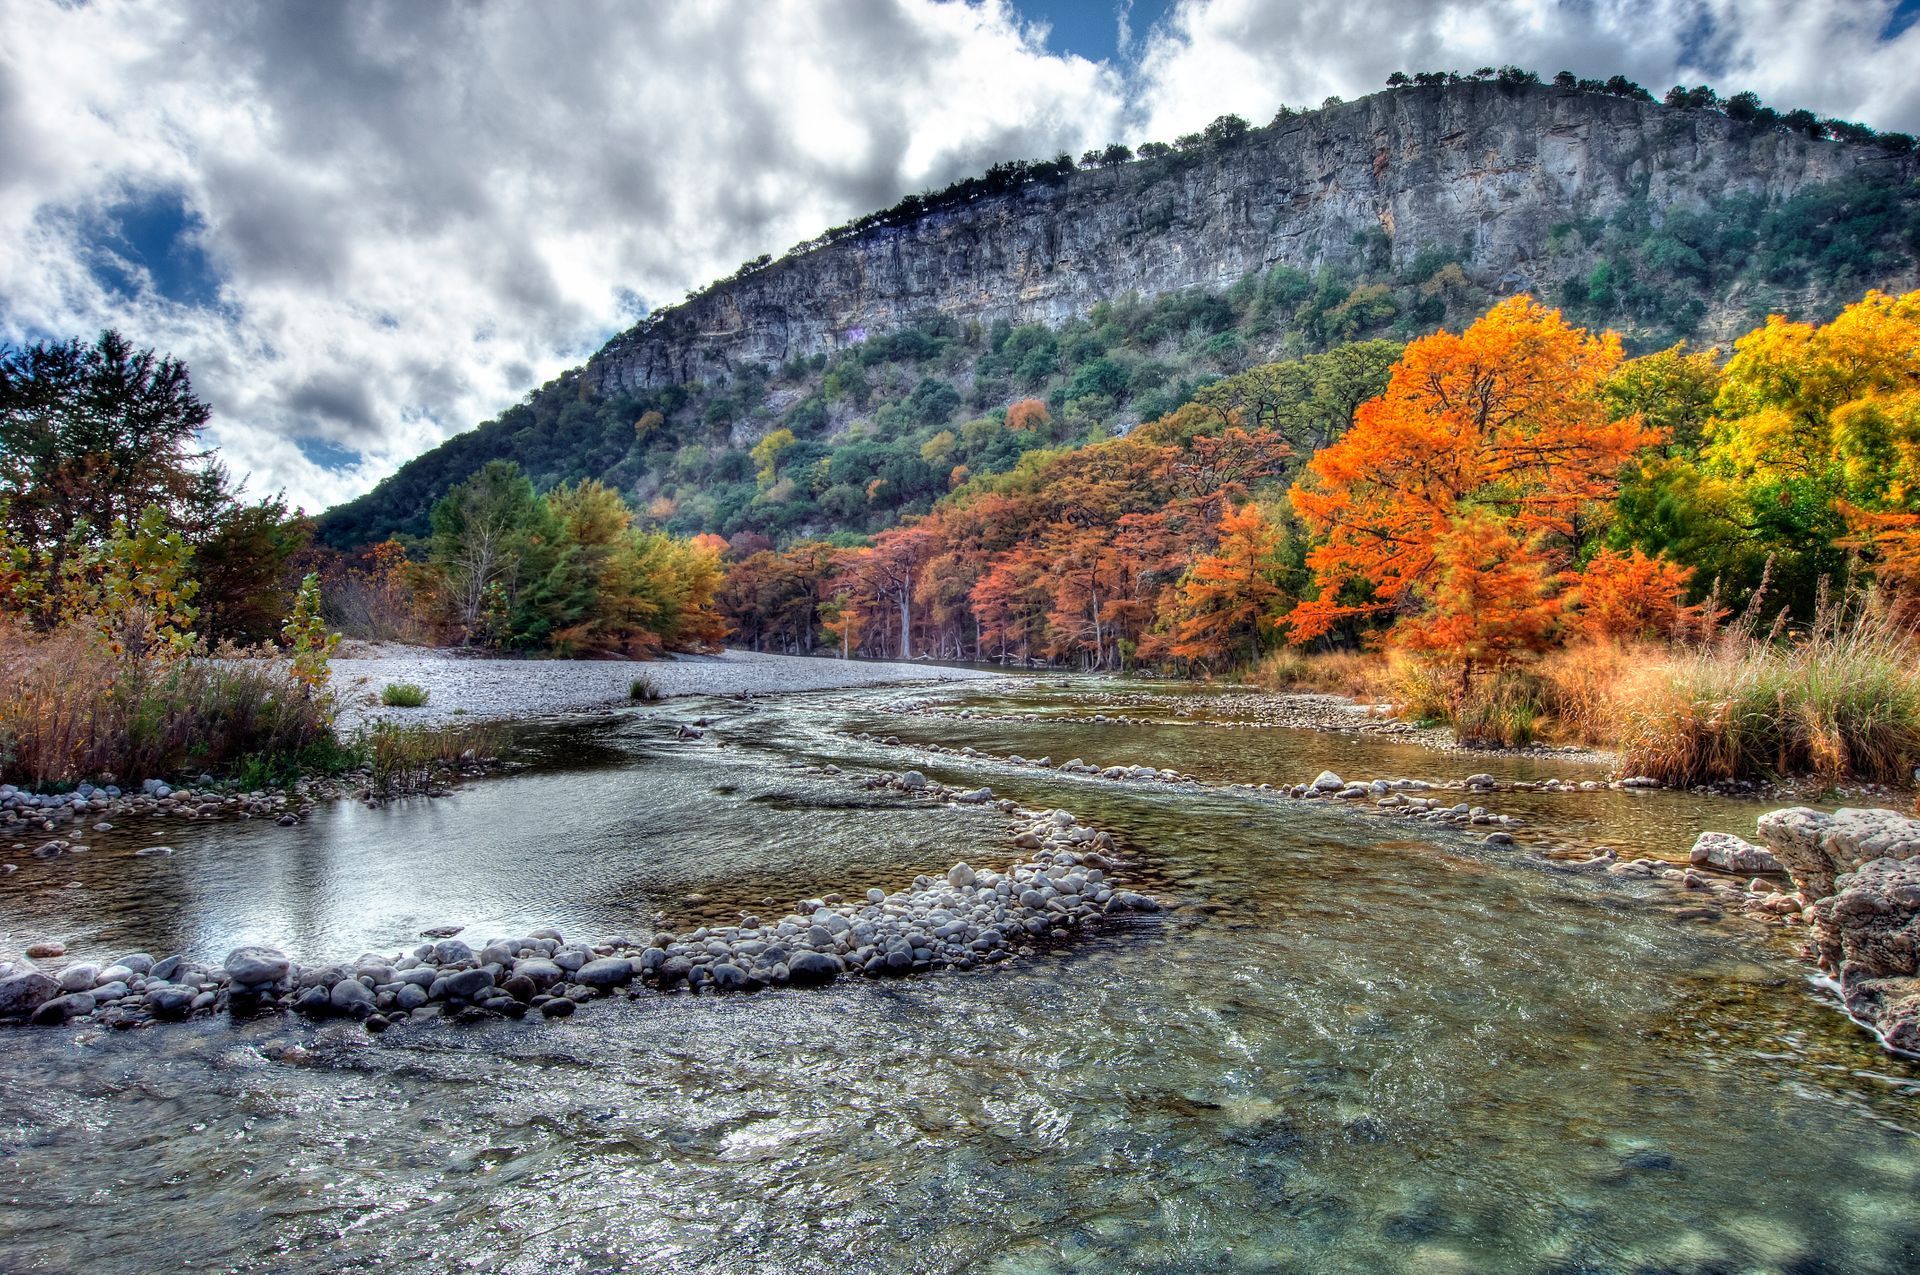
(1474, 499)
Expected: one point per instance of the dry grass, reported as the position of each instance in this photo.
(70, 709)
(1581, 688)
(1356, 674)
(1839, 702)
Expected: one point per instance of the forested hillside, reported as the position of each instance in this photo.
(1630, 226)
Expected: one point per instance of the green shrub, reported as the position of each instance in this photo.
(403, 695)
(642, 691)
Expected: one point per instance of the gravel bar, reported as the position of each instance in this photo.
(492, 690)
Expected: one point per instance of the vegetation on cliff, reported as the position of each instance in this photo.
(852, 440)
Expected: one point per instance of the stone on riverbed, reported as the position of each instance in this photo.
(608, 971)
(58, 1010)
(807, 968)
(1868, 935)
(1327, 781)
(250, 965)
(25, 993)
(469, 983)
(1729, 853)
(959, 876)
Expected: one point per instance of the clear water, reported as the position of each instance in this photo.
(1385, 1052)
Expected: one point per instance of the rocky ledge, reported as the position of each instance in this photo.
(963, 920)
(1861, 869)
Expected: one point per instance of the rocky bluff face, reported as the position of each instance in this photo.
(1478, 169)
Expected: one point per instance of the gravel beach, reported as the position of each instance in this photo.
(489, 689)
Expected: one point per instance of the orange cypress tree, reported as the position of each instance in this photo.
(1629, 595)
(1507, 415)
(1487, 600)
(1230, 595)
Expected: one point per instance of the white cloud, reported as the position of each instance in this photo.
(1253, 56)
(416, 211)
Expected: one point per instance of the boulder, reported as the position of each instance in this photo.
(350, 995)
(58, 1010)
(170, 999)
(469, 983)
(1861, 868)
(1816, 848)
(808, 968)
(1868, 936)
(1729, 853)
(248, 965)
(1327, 781)
(451, 952)
(608, 971)
(24, 993)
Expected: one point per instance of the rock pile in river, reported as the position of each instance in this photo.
(1861, 868)
(962, 919)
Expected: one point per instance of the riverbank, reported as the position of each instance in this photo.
(463, 688)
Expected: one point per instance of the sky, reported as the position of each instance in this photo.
(367, 225)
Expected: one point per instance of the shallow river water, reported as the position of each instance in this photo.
(1351, 1046)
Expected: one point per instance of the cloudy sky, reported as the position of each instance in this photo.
(368, 226)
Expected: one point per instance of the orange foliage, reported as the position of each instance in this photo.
(1507, 415)
(1232, 594)
(1029, 414)
(1629, 595)
(1488, 598)
(1894, 541)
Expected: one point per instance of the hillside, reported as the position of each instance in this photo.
(890, 354)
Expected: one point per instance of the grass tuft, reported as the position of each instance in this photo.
(403, 695)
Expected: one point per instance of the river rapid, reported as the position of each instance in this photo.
(1349, 1045)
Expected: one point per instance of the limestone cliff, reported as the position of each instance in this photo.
(1483, 170)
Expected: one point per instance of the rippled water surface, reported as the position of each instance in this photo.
(1351, 1047)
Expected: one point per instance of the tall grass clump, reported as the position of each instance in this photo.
(1839, 702)
(71, 708)
(1355, 674)
(1500, 711)
(403, 760)
(1580, 687)
(642, 691)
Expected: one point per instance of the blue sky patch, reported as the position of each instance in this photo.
(1903, 16)
(159, 234)
(1093, 30)
(327, 455)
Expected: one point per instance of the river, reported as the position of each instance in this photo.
(1350, 1045)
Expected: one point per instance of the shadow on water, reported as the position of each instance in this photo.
(1383, 1052)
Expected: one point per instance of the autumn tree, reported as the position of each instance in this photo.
(1486, 601)
(1506, 416)
(92, 436)
(1620, 596)
(1815, 436)
(1233, 596)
